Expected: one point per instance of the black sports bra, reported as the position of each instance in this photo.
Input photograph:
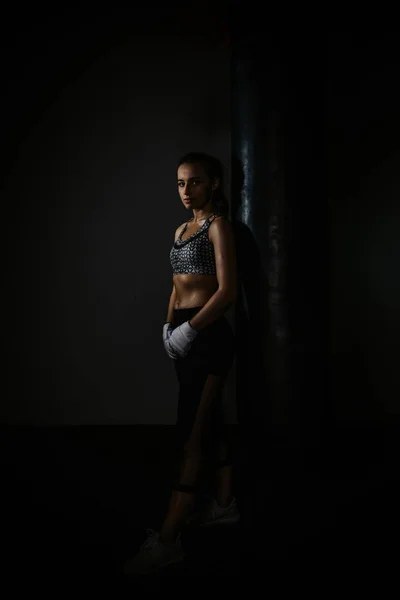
(194, 255)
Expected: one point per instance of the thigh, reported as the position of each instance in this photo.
(206, 419)
(199, 406)
(212, 351)
(201, 375)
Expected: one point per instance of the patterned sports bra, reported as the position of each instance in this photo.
(194, 255)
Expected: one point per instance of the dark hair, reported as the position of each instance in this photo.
(213, 167)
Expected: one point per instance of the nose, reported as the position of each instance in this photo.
(186, 190)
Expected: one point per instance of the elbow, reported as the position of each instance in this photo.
(229, 296)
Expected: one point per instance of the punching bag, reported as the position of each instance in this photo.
(259, 211)
(279, 205)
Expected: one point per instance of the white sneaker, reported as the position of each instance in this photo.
(215, 514)
(154, 555)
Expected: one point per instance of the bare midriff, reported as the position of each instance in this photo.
(193, 290)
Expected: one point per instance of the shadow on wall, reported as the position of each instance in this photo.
(250, 322)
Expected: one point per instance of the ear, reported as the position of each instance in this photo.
(215, 184)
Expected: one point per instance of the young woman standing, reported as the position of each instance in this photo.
(200, 341)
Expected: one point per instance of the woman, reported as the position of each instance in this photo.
(199, 339)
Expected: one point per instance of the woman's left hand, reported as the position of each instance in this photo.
(182, 338)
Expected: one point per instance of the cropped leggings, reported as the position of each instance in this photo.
(202, 438)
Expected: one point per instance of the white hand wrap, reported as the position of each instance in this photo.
(167, 330)
(181, 339)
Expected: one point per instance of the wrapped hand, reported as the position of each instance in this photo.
(181, 339)
(167, 331)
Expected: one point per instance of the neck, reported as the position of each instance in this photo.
(202, 214)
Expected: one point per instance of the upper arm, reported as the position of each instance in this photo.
(222, 238)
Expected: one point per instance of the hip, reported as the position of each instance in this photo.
(220, 325)
(213, 341)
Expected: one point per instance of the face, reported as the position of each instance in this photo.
(194, 186)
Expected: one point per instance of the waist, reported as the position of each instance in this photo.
(193, 290)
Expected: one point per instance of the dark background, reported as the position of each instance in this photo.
(362, 133)
(96, 111)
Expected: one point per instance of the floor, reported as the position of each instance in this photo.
(77, 502)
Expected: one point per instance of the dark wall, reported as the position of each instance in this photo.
(97, 112)
(337, 97)
(363, 133)
(343, 189)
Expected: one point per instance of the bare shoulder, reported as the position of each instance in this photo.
(220, 226)
(220, 219)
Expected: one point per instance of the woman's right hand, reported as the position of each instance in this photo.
(167, 330)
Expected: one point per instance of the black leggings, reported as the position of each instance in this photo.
(201, 431)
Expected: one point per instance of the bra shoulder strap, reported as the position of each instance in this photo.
(212, 217)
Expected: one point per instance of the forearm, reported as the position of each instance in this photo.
(170, 314)
(216, 306)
